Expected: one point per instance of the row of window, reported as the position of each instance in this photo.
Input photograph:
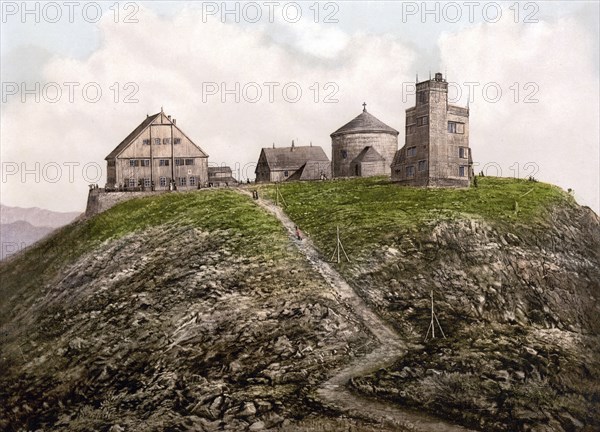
(463, 152)
(453, 127)
(157, 141)
(422, 166)
(161, 162)
(163, 182)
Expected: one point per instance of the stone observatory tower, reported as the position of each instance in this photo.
(363, 147)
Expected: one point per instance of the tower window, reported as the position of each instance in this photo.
(344, 154)
(422, 121)
(410, 171)
(410, 129)
(422, 97)
(422, 166)
(462, 171)
(456, 127)
(463, 152)
(411, 151)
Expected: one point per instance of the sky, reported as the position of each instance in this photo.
(242, 76)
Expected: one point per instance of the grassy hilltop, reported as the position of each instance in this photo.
(196, 311)
(373, 210)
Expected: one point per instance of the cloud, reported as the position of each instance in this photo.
(169, 58)
(551, 62)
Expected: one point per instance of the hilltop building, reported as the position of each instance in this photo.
(363, 147)
(292, 163)
(436, 150)
(157, 155)
(220, 176)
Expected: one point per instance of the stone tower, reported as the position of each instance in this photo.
(363, 147)
(436, 150)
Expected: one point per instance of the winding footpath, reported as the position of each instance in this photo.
(334, 393)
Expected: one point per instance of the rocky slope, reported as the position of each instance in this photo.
(179, 326)
(521, 313)
(197, 312)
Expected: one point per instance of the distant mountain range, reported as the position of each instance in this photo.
(21, 227)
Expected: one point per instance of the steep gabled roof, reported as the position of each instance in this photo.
(138, 130)
(311, 170)
(365, 122)
(368, 154)
(133, 135)
(292, 158)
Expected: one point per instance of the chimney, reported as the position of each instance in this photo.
(169, 117)
(273, 145)
(174, 121)
(293, 145)
(438, 76)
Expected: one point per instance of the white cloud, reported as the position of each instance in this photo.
(560, 133)
(169, 57)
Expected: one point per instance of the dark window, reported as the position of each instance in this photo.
(166, 140)
(163, 182)
(422, 121)
(163, 162)
(411, 151)
(182, 181)
(189, 161)
(422, 97)
(192, 181)
(344, 154)
(410, 129)
(177, 141)
(179, 162)
(156, 141)
(410, 171)
(111, 163)
(455, 127)
(147, 182)
(422, 165)
(463, 152)
(462, 171)
(286, 173)
(134, 162)
(132, 183)
(146, 142)
(145, 162)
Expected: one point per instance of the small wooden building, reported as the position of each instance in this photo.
(157, 155)
(292, 163)
(220, 176)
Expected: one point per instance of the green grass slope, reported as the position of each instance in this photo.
(371, 210)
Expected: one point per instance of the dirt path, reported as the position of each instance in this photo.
(334, 393)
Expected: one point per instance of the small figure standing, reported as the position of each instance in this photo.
(298, 234)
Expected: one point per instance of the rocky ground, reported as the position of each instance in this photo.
(169, 329)
(519, 306)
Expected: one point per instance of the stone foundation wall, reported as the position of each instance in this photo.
(99, 200)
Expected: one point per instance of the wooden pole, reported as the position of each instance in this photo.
(338, 243)
(432, 326)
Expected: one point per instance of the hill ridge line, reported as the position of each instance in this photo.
(334, 392)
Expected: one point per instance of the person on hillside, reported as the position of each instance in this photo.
(298, 234)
